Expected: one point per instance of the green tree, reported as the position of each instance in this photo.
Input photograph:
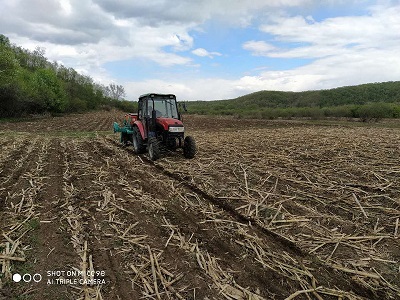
(9, 66)
(9, 69)
(48, 91)
(377, 110)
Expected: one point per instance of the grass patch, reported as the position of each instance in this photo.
(384, 123)
(75, 134)
(33, 224)
(68, 134)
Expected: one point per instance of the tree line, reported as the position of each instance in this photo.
(367, 102)
(31, 84)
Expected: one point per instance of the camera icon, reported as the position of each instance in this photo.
(27, 277)
(17, 277)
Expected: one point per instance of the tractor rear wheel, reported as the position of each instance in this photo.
(153, 149)
(137, 140)
(189, 147)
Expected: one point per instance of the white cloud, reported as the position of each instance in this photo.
(259, 47)
(372, 65)
(379, 29)
(189, 89)
(87, 34)
(66, 6)
(159, 13)
(345, 51)
(97, 36)
(351, 68)
(204, 53)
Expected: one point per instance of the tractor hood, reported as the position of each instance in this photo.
(167, 122)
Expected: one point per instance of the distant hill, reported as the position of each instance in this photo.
(372, 100)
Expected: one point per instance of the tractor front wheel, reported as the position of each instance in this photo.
(153, 149)
(137, 140)
(189, 147)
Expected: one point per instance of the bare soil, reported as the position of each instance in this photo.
(266, 210)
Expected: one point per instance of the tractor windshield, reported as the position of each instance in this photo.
(165, 108)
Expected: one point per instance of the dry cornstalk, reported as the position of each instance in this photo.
(276, 214)
(333, 251)
(12, 258)
(356, 272)
(359, 205)
(129, 228)
(123, 209)
(153, 271)
(143, 278)
(91, 268)
(170, 237)
(297, 293)
(291, 220)
(84, 263)
(245, 182)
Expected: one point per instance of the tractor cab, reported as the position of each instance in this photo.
(164, 106)
(159, 112)
(156, 126)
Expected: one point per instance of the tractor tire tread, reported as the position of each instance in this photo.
(189, 147)
(137, 137)
(154, 149)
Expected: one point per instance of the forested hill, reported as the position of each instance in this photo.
(373, 100)
(388, 92)
(31, 84)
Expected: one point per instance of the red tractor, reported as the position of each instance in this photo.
(156, 126)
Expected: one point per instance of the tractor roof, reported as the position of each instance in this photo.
(156, 94)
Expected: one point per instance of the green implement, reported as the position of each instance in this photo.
(126, 129)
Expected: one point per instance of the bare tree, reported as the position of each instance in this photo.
(115, 91)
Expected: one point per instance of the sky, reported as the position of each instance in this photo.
(213, 49)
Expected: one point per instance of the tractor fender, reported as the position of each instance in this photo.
(140, 126)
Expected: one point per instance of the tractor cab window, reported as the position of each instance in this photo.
(140, 110)
(165, 107)
(149, 109)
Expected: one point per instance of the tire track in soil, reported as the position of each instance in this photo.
(324, 271)
(14, 164)
(14, 167)
(7, 169)
(10, 145)
(349, 220)
(4, 142)
(53, 250)
(105, 124)
(245, 270)
(117, 286)
(152, 228)
(187, 219)
(28, 161)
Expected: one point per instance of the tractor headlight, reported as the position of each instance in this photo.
(176, 129)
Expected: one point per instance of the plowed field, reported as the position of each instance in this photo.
(266, 210)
